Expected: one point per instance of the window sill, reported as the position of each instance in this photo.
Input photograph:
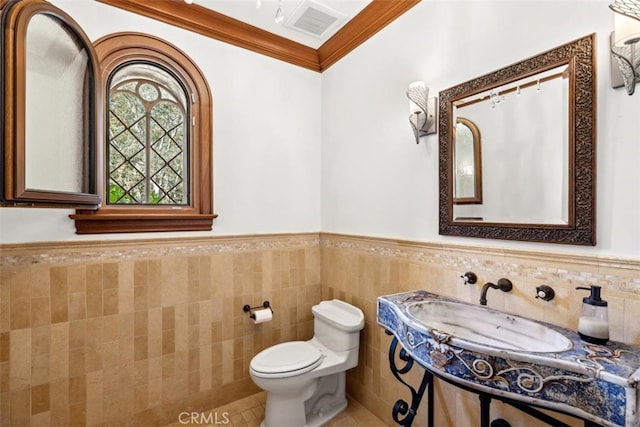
(141, 223)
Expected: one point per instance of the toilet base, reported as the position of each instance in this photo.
(320, 419)
(313, 405)
(328, 400)
(317, 420)
(283, 412)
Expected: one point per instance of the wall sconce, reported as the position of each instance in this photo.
(423, 110)
(625, 44)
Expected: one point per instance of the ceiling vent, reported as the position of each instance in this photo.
(314, 19)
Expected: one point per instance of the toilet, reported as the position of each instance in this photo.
(305, 380)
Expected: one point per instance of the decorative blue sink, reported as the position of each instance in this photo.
(511, 357)
(486, 326)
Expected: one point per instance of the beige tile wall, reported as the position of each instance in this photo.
(133, 333)
(358, 269)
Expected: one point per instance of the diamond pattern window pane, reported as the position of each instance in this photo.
(148, 147)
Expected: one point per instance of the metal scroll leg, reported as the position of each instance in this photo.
(402, 408)
(485, 410)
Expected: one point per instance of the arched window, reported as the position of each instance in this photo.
(157, 139)
(148, 150)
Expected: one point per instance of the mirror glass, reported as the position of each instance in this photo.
(524, 126)
(55, 124)
(467, 163)
(534, 176)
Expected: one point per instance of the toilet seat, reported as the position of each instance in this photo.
(286, 360)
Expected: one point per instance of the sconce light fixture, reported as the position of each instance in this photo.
(423, 110)
(625, 44)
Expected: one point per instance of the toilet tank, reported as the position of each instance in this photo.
(337, 324)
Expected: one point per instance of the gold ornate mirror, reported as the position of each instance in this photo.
(537, 121)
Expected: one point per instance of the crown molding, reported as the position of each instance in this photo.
(374, 17)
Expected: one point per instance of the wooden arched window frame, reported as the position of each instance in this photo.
(113, 52)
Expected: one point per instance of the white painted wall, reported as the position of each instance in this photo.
(273, 122)
(377, 181)
(266, 122)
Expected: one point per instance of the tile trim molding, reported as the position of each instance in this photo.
(622, 274)
(618, 273)
(401, 248)
(107, 250)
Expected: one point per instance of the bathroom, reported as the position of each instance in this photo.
(321, 192)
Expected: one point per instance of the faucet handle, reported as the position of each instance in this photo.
(505, 285)
(469, 278)
(545, 292)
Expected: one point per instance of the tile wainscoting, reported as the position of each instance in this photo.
(136, 332)
(359, 269)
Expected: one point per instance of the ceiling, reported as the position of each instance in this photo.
(240, 23)
(264, 16)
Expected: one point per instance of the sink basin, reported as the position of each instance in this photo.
(486, 326)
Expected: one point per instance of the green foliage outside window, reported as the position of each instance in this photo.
(147, 151)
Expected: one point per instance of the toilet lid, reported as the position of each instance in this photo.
(294, 358)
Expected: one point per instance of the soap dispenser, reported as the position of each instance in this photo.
(593, 326)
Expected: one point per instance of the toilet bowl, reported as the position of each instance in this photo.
(305, 380)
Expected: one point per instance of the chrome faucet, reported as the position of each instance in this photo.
(504, 285)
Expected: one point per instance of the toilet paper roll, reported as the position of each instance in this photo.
(262, 316)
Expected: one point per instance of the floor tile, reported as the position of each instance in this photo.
(248, 412)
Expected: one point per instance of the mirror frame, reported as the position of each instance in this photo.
(579, 55)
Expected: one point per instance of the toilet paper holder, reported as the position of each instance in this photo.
(247, 308)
